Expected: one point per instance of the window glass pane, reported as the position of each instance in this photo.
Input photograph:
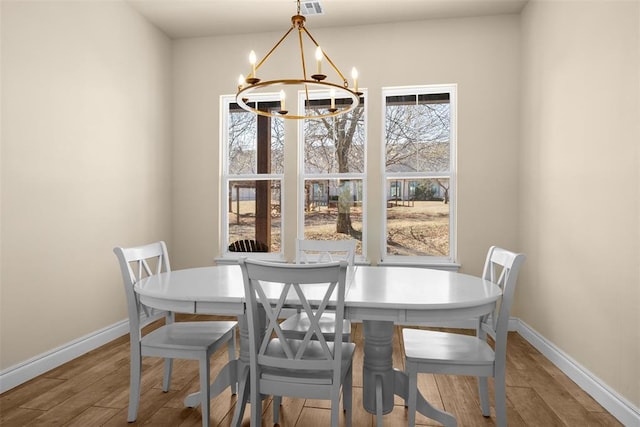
(254, 212)
(246, 133)
(333, 210)
(418, 217)
(417, 135)
(334, 144)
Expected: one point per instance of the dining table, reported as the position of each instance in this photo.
(378, 296)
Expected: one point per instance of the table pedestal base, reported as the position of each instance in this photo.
(228, 376)
(381, 382)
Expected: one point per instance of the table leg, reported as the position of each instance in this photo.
(381, 382)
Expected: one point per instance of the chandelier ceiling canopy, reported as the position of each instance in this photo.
(250, 87)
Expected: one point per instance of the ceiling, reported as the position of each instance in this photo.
(198, 18)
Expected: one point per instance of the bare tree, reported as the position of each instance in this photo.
(417, 137)
(242, 142)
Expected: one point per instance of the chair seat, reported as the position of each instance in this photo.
(190, 336)
(424, 346)
(297, 325)
(313, 350)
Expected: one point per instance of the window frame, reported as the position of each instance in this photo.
(303, 176)
(434, 261)
(225, 178)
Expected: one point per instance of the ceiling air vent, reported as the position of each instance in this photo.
(308, 8)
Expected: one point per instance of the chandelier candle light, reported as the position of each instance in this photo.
(252, 85)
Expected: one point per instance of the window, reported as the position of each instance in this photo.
(253, 166)
(419, 133)
(332, 178)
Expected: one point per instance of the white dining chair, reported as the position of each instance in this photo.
(312, 367)
(182, 340)
(436, 352)
(318, 251)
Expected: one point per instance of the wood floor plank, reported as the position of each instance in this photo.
(605, 419)
(94, 390)
(572, 388)
(532, 408)
(27, 392)
(18, 416)
(92, 416)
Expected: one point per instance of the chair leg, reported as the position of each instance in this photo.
(335, 409)
(256, 402)
(204, 389)
(483, 391)
(347, 395)
(166, 379)
(276, 402)
(134, 387)
(231, 349)
(501, 399)
(412, 398)
(243, 394)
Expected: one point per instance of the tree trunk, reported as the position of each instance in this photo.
(343, 224)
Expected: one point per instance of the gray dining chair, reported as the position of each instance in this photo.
(436, 352)
(312, 367)
(315, 251)
(182, 340)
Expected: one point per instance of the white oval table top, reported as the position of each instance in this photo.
(370, 290)
(418, 289)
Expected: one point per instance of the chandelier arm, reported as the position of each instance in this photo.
(327, 57)
(274, 48)
(306, 91)
(304, 67)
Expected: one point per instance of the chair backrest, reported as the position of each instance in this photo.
(136, 263)
(273, 286)
(248, 245)
(501, 267)
(312, 251)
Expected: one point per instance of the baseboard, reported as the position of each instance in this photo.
(38, 365)
(618, 406)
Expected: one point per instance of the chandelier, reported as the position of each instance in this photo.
(252, 86)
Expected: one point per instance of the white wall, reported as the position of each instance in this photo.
(480, 55)
(85, 165)
(580, 185)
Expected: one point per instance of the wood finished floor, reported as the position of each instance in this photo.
(93, 390)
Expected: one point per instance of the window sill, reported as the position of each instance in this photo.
(447, 266)
(265, 256)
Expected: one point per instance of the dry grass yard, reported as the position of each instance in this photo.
(414, 229)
